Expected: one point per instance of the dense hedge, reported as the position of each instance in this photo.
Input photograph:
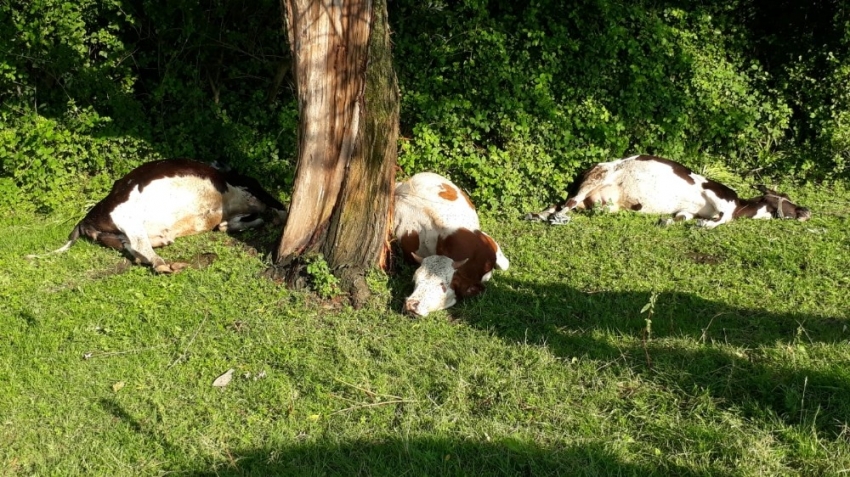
(91, 88)
(514, 98)
(509, 98)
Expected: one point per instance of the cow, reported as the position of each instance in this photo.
(655, 185)
(437, 227)
(161, 200)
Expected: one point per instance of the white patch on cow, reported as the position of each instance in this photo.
(763, 213)
(433, 289)
(165, 209)
(419, 207)
(657, 189)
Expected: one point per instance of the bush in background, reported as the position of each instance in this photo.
(511, 99)
(91, 89)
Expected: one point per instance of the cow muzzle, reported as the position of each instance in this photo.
(411, 307)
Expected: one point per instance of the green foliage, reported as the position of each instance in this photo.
(55, 162)
(92, 88)
(322, 280)
(513, 99)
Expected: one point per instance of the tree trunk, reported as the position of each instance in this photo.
(348, 107)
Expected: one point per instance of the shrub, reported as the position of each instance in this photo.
(513, 99)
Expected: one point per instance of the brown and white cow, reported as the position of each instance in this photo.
(162, 200)
(437, 227)
(655, 185)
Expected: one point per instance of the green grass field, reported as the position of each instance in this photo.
(611, 347)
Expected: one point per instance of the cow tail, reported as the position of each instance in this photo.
(72, 237)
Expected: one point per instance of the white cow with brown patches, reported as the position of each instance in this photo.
(655, 185)
(437, 227)
(159, 201)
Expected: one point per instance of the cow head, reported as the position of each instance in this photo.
(464, 260)
(248, 197)
(435, 285)
(780, 206)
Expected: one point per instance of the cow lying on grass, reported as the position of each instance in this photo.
(655, 185)
(162, 200)
(437, 227)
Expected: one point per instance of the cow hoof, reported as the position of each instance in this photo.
(178, 266)
(169, 268)
(533, 217)
(664, 222)
(560, 220)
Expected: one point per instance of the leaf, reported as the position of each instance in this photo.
(224, 379)
(118, 386)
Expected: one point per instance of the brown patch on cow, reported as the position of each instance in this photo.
(448, 192)
(468, 200)
(587, 203)
(747, 209)
(111, 240)
(192, 224)
(678, 169)
(409, 243)
(480, 252)
(636, 207)
(722, 191)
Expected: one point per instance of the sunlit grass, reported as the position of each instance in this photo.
(740, 366)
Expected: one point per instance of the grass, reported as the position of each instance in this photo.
(611, 347)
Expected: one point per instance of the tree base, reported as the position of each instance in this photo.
(293, 274)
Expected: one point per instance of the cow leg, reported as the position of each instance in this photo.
(543, 215)
(724, 209)
(139, 245)
(162, 240)
(240, 222)
(709, 223)
(680, 216)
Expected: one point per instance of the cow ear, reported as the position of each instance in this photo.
(417, 258)
(459, 263)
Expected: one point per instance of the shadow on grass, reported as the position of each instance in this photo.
(417, 456)
(433, 456)
(726, 351)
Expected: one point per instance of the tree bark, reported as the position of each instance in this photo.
(348, 105)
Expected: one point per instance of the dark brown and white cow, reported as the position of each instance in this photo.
(437, 227)
(655, 185)
(162, 200)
